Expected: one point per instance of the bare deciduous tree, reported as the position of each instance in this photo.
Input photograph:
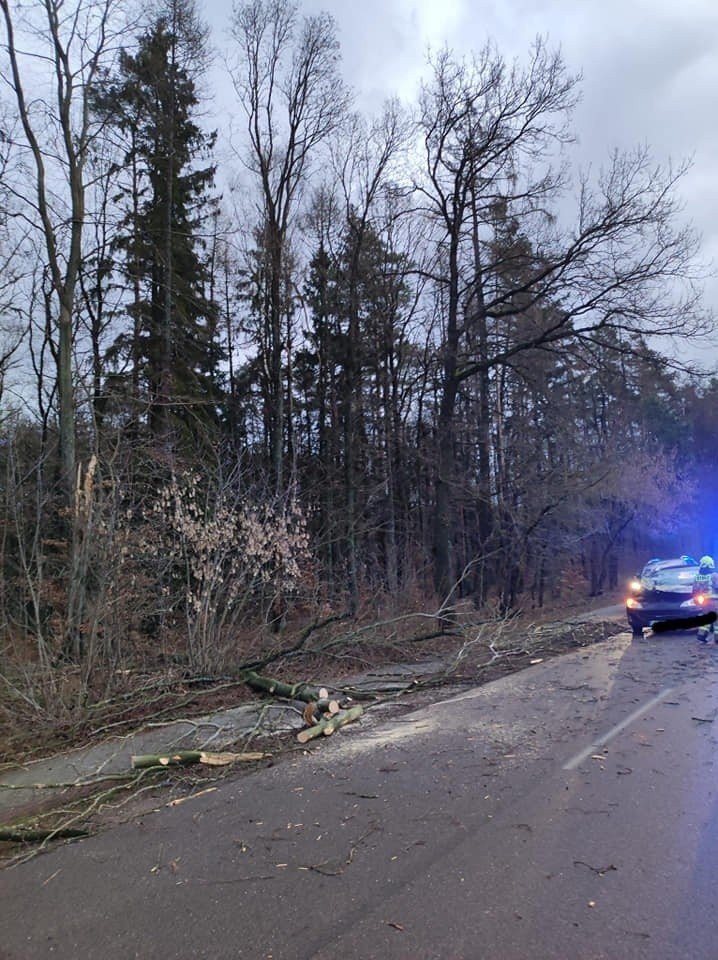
(624, 271)
(287, 81)
(65, 47)
(12, 332)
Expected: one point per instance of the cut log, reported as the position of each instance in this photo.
(309, 733)
(330, 724)
(330, 706)
(317, 710)
(342, 718)
(289, 691)
(180, 759)
(184, 758)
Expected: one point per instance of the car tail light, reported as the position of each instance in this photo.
(701, 599)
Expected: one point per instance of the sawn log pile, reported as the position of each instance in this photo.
(322, 714)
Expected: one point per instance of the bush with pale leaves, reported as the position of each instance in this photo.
(228, 556)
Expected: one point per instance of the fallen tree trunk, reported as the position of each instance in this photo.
(22, 835)
(290, 691)
(185, 757)
(330, 724)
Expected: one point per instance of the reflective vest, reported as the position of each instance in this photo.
(703, 582)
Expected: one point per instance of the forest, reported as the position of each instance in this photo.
(317, 363)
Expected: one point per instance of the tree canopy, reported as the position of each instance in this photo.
(420, 354)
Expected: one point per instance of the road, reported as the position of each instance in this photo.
(566, 812)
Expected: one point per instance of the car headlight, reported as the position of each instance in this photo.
(634, 585)
(633, 603)
(699, 600)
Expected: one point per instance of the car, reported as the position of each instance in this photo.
(658, 563)
(663, 596)
(636, 583)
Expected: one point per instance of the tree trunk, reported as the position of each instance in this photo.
(289, 691)
(183, 758)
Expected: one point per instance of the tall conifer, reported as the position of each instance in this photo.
(172, 353)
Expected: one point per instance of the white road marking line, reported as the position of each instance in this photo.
(614, 731)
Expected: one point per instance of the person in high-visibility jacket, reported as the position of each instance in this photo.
(705, 584)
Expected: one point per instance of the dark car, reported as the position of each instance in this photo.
(657, 563)
(663, 594)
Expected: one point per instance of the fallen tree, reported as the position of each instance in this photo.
(322, 714)
(306, 692)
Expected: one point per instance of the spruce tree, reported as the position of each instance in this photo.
(171, 355)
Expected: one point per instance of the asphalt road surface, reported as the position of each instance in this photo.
(567, 812)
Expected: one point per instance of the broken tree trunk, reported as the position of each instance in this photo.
(329, 725)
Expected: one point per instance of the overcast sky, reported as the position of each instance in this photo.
(650, 70)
